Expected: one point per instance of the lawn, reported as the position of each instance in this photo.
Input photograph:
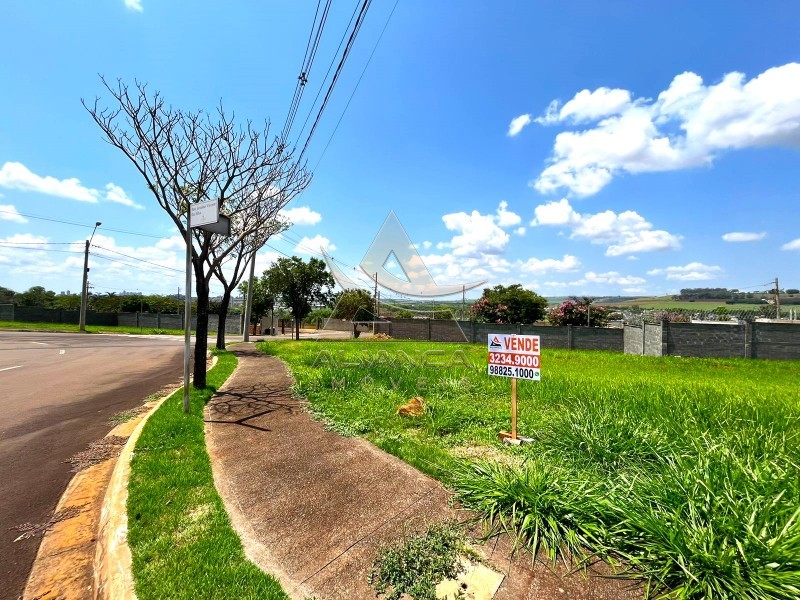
(181, 540)
(89, 328)
(683, 469)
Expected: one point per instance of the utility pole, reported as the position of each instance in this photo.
(376, 294)
(463, 302)
(777, 300)
(85, 288)
(375, 316)
(249, 306)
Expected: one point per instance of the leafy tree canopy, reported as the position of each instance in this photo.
(509, 304)
(300, 285)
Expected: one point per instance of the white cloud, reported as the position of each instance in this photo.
(301, 215)
(694, 271)
(537, 266)
(115, 193)
(310, 246)
(614, 278)
(688, 125)
(741, 236)
(622, 233)
(16, 176)
(518, 124)
(520, 231)
(592, 279)
(426, 244)
(588, 106)
(134, 5)
(506, 218)
(793, 245)
(8, 212)
(479, 234)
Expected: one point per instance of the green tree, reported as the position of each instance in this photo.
(263, 298)
(300, 285)
(7, 295)
(355, 305)
(68, 301)
(36, 296)
(509, 304)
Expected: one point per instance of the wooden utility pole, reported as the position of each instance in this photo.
(777, 300)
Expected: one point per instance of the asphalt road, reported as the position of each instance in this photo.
(57, 394)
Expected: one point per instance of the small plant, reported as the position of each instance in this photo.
(418, 563)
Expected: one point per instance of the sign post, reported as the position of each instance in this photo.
(199, 213)
(517, 357)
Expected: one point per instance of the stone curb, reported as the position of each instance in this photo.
(113, 573)
(87, 555)
(65, 563)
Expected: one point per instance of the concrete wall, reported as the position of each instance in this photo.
(775, 340)
(654, 339)
(695, 339)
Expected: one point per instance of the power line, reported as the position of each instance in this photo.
(356, 28)
(135, 258)
(355, 89)
(85, 226)
(312, 46)
(43, 243)
(328, 72)
(43, 249)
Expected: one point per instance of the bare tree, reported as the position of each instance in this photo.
(188, 157)
(230, 271)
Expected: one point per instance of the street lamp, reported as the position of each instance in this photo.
(85, 288)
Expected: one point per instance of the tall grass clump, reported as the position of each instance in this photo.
(683, 472)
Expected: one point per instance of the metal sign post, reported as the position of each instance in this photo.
(187, 312)
(517, 357)
(198, 214)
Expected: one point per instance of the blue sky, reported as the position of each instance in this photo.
(575, 147)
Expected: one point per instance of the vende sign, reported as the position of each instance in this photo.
(512, 355)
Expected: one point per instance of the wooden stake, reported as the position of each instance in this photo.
(513, 408)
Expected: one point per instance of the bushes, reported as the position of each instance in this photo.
(578, 312)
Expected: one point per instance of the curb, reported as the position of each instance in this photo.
(87, 555)
(65, 563)
(112, 575)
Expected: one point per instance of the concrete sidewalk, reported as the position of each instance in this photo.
(313, 507)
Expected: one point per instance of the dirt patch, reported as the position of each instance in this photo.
(103, 449)
(31, 530)
(486, 453)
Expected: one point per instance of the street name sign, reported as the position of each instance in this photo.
(515, 356)
(204, 213)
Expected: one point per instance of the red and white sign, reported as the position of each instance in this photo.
(512, 355)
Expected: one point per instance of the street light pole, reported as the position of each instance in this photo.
(249, 306)
(85, 287)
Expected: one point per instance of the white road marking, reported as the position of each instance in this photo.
(62, 351)
(40, 343)
(9, 368)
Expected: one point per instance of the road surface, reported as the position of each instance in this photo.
(57, 394)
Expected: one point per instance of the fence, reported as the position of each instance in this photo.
(142, 320)
(722, 340)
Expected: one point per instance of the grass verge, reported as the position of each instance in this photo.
(89, 328)
(684, 469)
(182, 543)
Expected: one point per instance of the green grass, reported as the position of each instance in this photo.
(683, 469)
(89, 328)
(181, 540)
(699, 305)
